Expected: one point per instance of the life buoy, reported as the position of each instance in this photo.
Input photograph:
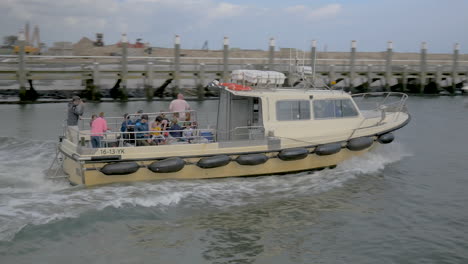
(237, 87)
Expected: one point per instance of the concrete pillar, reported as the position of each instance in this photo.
(96, 77)
(124, 69)
(226, 59)
(201, 82)
(438, 76)
(176, 74)
(271, 56)
(404, 78)
(423, 67)
(352, 71)
(331, 75)
(455, 66)
(313, 58)
(369, 76)
(21, 66)
(84, 75)
(388, 66)
(149, 80)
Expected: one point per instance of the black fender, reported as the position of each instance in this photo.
(386, 138)
(120, 168)
(213, 162)
(252, 159)
(360, 143)
(293, 154)
(328, 149)
(167, 165)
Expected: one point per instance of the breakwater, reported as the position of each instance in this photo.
(122, 76)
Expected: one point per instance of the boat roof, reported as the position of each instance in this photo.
(289, 93)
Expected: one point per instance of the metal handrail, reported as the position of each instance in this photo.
(383, 107)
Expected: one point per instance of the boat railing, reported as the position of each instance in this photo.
(111, 139)
(115, 123)
(392, 102)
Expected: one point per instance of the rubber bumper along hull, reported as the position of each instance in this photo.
(167, 165)
(386, 138)
(360, 143)
(120, 168)
(293, 154)
(328, 149)
(252, 159)
(213, 162)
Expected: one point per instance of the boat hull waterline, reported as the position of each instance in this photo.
(220, 166)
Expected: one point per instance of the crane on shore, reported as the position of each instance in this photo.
(33, 44)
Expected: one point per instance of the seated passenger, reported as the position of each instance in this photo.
(176, 128)
(157, 136)
(143, 136)
(190, 131)
(125, 126)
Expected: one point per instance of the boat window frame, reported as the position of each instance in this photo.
(306, 101)
(335, 117)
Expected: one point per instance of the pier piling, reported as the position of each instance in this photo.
(388, 66)
(21, 67)
(176, 73)
(271, 54)
(455, 66)
(124, 68)
(352, 62)
(149, 81)
(201, 82)
(423, 67)
(226, 59)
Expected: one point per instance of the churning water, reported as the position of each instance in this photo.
(401, 203)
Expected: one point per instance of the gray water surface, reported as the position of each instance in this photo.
(405, 202)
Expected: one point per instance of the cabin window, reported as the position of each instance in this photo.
(334, 109)
(293, 110)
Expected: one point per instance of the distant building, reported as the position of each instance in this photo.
(62, 48)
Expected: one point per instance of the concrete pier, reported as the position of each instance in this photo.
(192, 70)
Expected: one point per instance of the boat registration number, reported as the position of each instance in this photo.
(112, 151)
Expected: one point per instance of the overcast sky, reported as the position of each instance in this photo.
(249, 24)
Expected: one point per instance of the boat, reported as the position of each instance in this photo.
(262, 128)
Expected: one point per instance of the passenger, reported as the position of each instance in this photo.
(75, 111)
(157, 136)
(136, 118)
(98, 128)
(176, 128)
(143, 136)
(93, 117)
(164, 123)
(190, 131)
(180, 106)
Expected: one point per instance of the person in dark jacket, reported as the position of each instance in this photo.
(143, 136)
(176, 128)
(75, 111)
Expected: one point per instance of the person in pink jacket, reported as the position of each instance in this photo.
(98, 128)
